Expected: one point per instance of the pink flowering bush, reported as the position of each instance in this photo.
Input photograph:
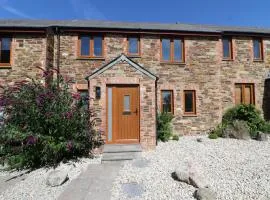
(44, 124)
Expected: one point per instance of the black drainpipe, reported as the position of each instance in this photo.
(58, 54)
(156, 107)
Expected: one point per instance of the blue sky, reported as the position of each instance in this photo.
(225, 12)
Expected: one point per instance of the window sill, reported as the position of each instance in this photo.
(190, 115)
(229, 59)
(134, 56)
(5, 66)
(258, 60)
(90, 58)
(173, 63)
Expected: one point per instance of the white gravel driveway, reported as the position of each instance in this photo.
(234, 169)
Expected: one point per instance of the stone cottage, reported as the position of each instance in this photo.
(132, 71)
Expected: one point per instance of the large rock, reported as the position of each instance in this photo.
(205, 194)
(238, 130)
(190, 174)
(197, 180)
(56, 178)
(261, 136)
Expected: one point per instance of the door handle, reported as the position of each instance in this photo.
(136, 111)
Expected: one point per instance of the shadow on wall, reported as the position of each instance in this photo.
(266, 100)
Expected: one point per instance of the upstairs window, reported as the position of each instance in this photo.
(189, 102)
(172, 50)
(134, 46)
(5, 54)
(257, 49)
(244, 93)
(91, 46)
(227, 49)
(167, 101)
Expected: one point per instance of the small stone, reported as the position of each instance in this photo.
(205, 194)
(199, 139)
(56, 178)
(261, 136)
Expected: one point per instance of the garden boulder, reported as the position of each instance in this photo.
(205, 194)
(56, 178)
(238, 130)
(261, 136)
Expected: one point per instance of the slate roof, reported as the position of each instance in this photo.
(129, 26)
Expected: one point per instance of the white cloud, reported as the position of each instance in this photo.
(88, 9)
(15, 11)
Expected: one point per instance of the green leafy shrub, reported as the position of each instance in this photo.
(246, 113)
(164, 126)
(213, 136)
(44, 125)
(175, 137)
(266, 127)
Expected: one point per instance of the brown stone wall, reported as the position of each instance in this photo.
(28, 52)
(203, 71)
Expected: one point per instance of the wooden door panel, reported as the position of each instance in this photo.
(125, 114)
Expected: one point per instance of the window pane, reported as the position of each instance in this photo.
(257, 49)
(226, 48)
(166, 54)
(98, 92)
(97, 46)
(178, 50)
(133, 45)
(126, 103)
(166, 101)
(85, 46)
(5, 50)
(84, 98)
(238, 94)
(189, 107)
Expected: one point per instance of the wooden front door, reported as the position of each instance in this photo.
(123, 114)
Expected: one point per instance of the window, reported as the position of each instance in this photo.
(91, 46)
(5, 54)
(257, 49)
(98, 92)
(172, 50)
(84, 98)
(227, 48)
(167, 101)
(190, 102)
(134, 46)
(244, 93)
(127, 103)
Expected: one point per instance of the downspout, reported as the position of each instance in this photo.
(156, 108)
(58, 55)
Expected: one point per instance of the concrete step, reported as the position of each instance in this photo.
(114, 148)
(117, 152)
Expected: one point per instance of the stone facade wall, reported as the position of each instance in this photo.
(203, 71)
(28, 52)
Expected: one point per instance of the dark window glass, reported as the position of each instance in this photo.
(257, 49)
(97, 46)
(178, 50)
(5, 50)
(133, 44)
(226, 48)
(167, 101)
(84, 98)
(166, 49)
(190, 102)
(85, 46)
(98, 92)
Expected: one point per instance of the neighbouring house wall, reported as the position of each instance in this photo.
(28, 52)
(203, 71)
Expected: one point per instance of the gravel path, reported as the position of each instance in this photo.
(33, 185)
(234, 169)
